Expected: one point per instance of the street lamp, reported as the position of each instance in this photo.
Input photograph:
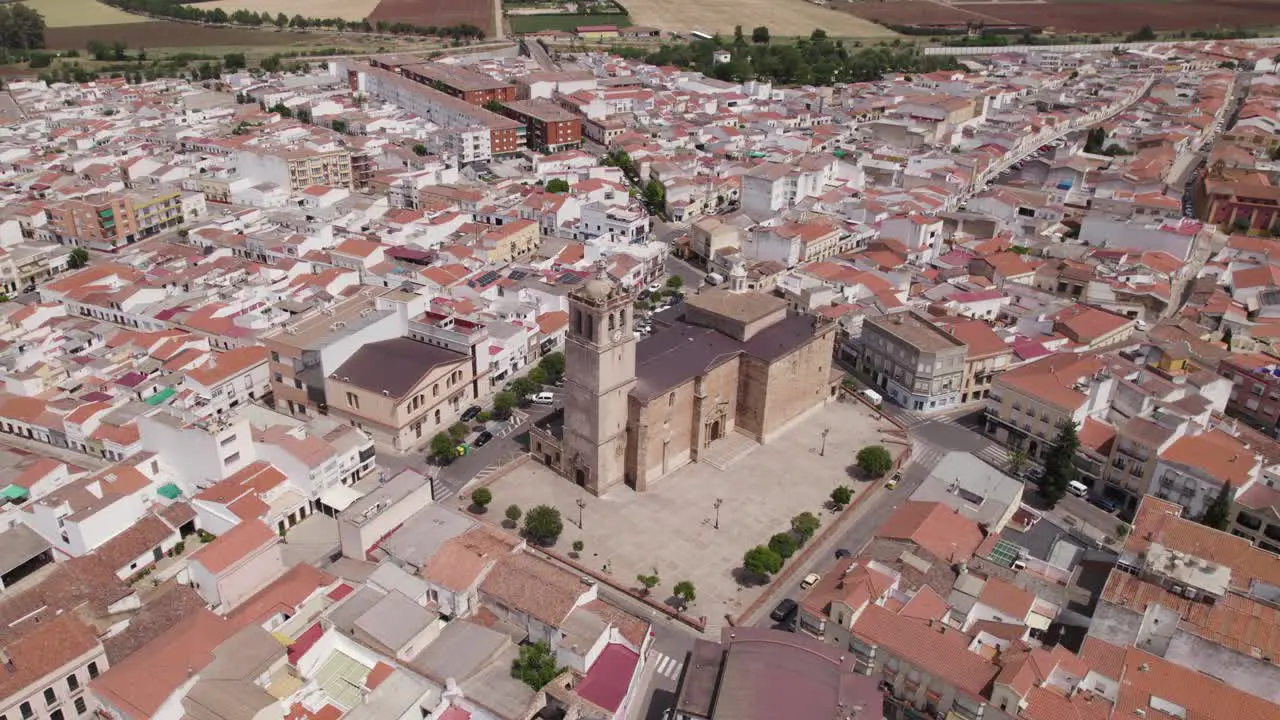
(716, 505)
(823, 452)
(581, 504)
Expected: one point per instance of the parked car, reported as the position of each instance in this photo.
(544, 398)
(809, 581)
(483, 439)
(783, 611)
(893, 481)
(471, 412)
(843, 553)
(1104, 504)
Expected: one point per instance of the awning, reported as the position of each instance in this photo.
(169, 490)
(160, 397)
(14, 492)
(339, 497)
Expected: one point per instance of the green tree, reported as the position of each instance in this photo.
(493, 106)
(784, 544)
(655, 195)
(523, 387)
(119, 50)
(503, 403)
(1059, 465)
(685, 593)
(1226, 338)
(513, 514)
(577, 548)
(281, 20)
(553, 366)
(535, 666)
(1144, 34)
(675, 282)
(458, 430)
(271, 63)
(339, 126)
(1017, 461)
(1218, 514)
(443, 448)
(78, 259)
(648, 582)
(543, 525)
(841, 496)
(420, 150)
(761, 561)
(537, 375)
(481, 498)
(874, 460)
(1122, 530)
(557, 185)
(760, 35)
(805, 525)
(98, 50)
(234, 61)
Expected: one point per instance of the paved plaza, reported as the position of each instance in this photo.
(672, 526)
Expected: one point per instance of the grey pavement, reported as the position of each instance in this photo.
(71, 457)
(675, 527)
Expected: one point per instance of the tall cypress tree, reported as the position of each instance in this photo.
(1218, 514)
(1059, 465)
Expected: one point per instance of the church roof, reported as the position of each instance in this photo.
(673, 356)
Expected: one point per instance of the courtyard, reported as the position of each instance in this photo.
(672, 528)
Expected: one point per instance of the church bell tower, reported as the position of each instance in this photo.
(600, 370)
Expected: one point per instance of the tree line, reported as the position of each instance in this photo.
(21, 28)
(179, 10)
(817, 60)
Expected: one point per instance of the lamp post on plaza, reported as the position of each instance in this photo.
(716, 505)
(823, 451)
(581, 504)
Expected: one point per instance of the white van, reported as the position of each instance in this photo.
(872, 397)
(1077, 488)
(714, 278)
(544, 398)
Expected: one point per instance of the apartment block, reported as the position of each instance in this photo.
(297, 168)
(547, 126)
(916, 363)
(460, 82)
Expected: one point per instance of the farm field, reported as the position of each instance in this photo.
(534, 23)
(345, 9)
(80, 13)
(782, 17)
(436, 13)
(165, 34)
(1123, 17)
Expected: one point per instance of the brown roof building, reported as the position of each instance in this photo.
(755, 673)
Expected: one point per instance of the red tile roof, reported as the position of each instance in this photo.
(942, 531)
(226, 550)
(937, 650)
(606, 683)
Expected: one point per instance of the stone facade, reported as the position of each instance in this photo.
(734, 362)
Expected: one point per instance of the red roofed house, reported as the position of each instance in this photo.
(235, 565)
(230, 378)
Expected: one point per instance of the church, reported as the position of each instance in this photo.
(727, 361)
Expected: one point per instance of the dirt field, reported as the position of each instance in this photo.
(437, 13)
(79, 13)
(345, 9)
(911, 12)
(782, 17)
(1094, 17)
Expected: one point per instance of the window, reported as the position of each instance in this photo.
(25, 708)
(671, 399)
(56, 714)
(73, 683)
(50, 697)
(275, 356)
(81, 706)
(231, 459)
(227, 440)
(353, 400)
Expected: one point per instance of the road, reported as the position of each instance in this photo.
(509, 441)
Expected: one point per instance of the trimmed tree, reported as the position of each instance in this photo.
(805, 525)
(513, 514)
(523, 387)
(874, 460)
(481, 498)
(841, 497)
(78, 259)
(1059, 465)
(553, 366)
(543, 525)
(557, 185)
(503, 403)
(760, 35)
(685, 593)
(648, 582)
(535, 666)
(675, 282)
(784, 544)
(442, 448)
(761, 561)
(1017, 461)
(458, 430)
(577, 548)
(1218, 514)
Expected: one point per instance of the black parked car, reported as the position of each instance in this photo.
(471, 412)
(483, 439)
(1104, 504)
(843, 553)
(784, 610)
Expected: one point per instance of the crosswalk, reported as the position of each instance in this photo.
(667, 666)
(914, 418)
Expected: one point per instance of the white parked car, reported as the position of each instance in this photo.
(809, 581)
